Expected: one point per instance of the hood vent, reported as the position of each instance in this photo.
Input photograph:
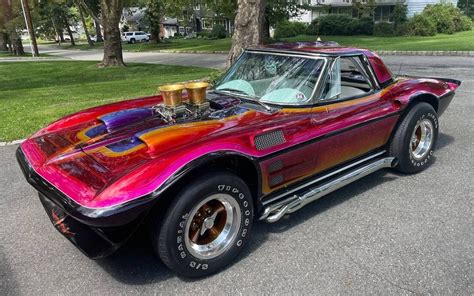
(270, 139)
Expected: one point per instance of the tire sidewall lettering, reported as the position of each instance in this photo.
(181, 251)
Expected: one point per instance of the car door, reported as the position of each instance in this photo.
(360, 115)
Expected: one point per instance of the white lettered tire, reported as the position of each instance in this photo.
(206, 225)
(415, 139)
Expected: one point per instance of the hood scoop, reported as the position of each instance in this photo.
(115, 120)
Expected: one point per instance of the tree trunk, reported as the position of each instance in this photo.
(16, 46)
(13, 40)
(31, 30)
(155, 30)
(3, 21)
(68, 28)
(3, 41)
(83, 20)
(98, 31)
(61, 36)
(249, 27)
(111, 14)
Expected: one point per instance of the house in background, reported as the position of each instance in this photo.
(383, 9)
(133, 19)
(206, 19)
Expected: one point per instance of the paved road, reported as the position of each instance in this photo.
(385, 234)
(218, 61)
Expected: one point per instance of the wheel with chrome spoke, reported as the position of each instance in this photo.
(415, 139)
(212, 226)
(205, 226)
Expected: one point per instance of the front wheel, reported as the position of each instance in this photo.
(206, 225)
(415, 139)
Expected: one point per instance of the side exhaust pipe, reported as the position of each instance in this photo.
(276, 211)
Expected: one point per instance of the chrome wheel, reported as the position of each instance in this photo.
(212, 226)
(421, 139)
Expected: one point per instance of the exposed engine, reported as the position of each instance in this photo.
(174, 109)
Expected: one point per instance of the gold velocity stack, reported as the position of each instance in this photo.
(174, 105)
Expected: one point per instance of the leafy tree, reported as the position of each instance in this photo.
(467, 6)
(154, 15)
(364, 9)
(281, 10)
(399, 15)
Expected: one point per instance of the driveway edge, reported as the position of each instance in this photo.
(16, 142)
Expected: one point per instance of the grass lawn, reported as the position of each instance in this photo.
(456, 42)
(33, 94)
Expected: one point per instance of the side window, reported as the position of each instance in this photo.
(346, 78)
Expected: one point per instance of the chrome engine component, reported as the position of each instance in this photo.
(170, 113)
(182, 112)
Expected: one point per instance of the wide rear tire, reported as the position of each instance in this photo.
(206, 225)
(415, 139)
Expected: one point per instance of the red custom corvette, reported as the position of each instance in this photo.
(285, 125)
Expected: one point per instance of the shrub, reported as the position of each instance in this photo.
(420, 25)
(286, 29)
(463, 23)
(339, 24)
(447, 18)
(218, 32)
(335, 25)
(313, 28)
(363, 26)
(403, 29)
(203, 34)
(384, 29)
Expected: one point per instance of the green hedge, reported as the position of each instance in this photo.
(285, 29)
(218, 32)
(340, 24)
(384, 29)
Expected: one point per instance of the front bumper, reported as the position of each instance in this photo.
(96, 232)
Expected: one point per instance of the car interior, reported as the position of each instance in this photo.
(346, 78)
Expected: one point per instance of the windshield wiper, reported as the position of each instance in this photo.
(245, 96)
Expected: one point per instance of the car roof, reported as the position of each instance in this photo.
(329, 48)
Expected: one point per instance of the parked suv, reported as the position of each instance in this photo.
(134, 37)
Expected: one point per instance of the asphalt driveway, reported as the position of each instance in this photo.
(385, 234)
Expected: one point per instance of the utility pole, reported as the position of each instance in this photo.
(29, 26)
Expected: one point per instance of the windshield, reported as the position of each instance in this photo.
(273, 78)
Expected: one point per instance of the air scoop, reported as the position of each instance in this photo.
(114, 120)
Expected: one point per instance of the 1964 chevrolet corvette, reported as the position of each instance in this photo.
(284, 126)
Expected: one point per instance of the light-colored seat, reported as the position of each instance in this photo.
(349, 91)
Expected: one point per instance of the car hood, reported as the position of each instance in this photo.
(122, 140)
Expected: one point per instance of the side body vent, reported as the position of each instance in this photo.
(270, 139)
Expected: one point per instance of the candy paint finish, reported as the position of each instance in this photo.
(111, 155)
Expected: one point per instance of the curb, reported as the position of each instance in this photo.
(425, 53)
(183, 51)
(16, 142)
(380, 52)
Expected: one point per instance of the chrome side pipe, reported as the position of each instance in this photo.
(276, 211)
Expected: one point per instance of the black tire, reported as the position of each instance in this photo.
(133, 41)
(403, 144)
(173, 234)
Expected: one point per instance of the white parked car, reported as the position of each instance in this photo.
(134, 37)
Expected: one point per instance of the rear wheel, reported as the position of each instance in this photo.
(415, 139)
(133, 41)
(206, 225)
